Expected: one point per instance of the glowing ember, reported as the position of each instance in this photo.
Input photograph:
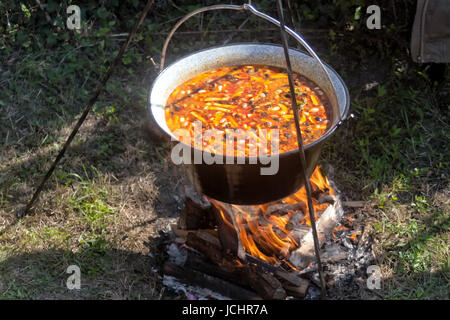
(271, 235)
(354, 237)
(337, 229)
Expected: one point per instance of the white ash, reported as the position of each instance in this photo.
(192, 292)
(176, 255)
(348, 274)
(313, 293)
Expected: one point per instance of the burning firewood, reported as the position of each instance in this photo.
(294, 220)
(228, 235)
(318, 193)
(284, 208)
(302, 256)
(298, 292)
(298, 233)
(326, 199)
(266, 285)
(205, 244)
(203, 280)
(197, 212)
(228, 270)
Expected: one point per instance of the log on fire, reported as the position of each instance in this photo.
(289, 280)
(298, 292)
(329, 219)
(266, 285)
(206, 281)
(284, 208)
(268, 281)
(294, 220)
(197, 212)
(206, 244)
(227, 227)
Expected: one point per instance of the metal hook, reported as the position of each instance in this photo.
(264, 16)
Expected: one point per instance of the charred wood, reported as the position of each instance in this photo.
(215, 284)
(297, 291)
(210, 249)
(228, 230)
(327, 199)
(229, 272)
(266, 285)
(294, 220)
(197, 212)
(284, 208)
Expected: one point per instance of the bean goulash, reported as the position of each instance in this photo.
(250, 98)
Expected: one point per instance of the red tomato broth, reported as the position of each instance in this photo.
(250, 98)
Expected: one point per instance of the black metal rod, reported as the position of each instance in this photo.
(87, 109)
(290, 15)
(300, 147)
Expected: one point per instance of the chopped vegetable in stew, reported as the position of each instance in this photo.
(251, 98)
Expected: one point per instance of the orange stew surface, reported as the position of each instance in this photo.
(251, 98)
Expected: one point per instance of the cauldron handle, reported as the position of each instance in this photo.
(252, 9)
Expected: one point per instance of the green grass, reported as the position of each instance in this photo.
(402, 139)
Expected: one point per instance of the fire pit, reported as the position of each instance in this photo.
(256, 250)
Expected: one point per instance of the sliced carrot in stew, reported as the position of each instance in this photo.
(251, 98)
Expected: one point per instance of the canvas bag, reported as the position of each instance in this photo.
(430, 39)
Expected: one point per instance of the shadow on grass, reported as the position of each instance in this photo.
(117, 147)
(106, 273)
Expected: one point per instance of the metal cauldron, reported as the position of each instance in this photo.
(243, 183)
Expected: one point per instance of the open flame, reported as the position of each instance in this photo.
(270, 234)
